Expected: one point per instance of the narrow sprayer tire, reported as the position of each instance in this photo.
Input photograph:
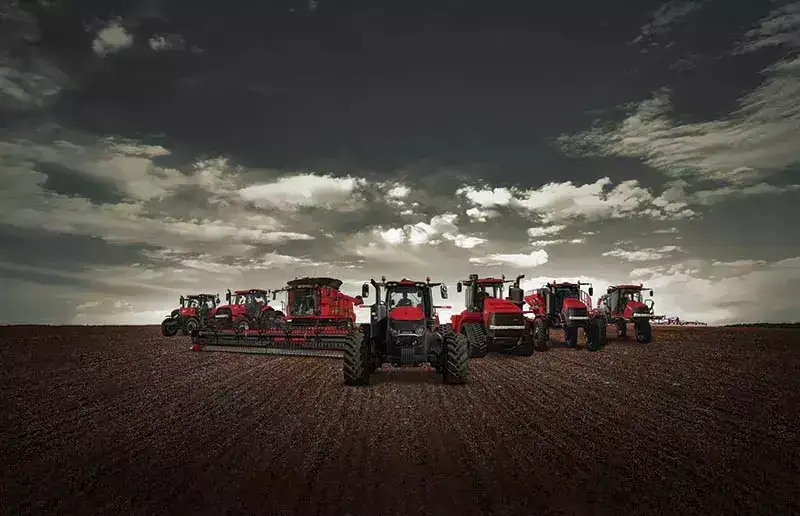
(643, 332)
(593, 335)
(355, 360)
(456, 358)
(571, 336)
(169, 328)
(540, 335)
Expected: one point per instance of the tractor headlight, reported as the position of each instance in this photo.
(419, 331)
(393, 331)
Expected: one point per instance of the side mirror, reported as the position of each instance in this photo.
(182, 299)
(359, 301)
(651, 293)
(443, 291)
(591, 291)
(228, 297)
(217, 300)
(365, 290)
(459, 287)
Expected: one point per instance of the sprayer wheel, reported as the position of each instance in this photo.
(355, 360)
(456, 358)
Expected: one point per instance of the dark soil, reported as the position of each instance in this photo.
(119, 420)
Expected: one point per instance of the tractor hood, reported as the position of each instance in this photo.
(188, 312)
(494, 305)
(635, 307)
(573, 303)
(406, 313)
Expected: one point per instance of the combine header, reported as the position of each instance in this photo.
(565, 306)
(622, 305)
(319, 321)
(404, 330)
(192, 315)
(491, 322)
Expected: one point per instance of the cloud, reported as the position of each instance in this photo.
(304, 190)
(111, 39)
(644, 255)
(545, 231)
(757, 140)
(442, 226)
(519, 260)
(666, 231)
(781, 27)
(666, 15)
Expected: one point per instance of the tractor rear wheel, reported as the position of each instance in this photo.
(644, 332)
(192, 324)
(541, 335)
(478, 345)
(456, 358)
(571, 336)
(169, 327)
(356, 360)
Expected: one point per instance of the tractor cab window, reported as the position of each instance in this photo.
(407, 296)
(191, 303)
(302, 302)
(562, 293)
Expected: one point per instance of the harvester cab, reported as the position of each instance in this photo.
(192, 314)
(404, 331)
(319, 320)
(490, 321)
(566, 306)
(625, 304)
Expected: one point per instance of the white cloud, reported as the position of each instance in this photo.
(666, 15)
(666, 231)
(443, 226)
(757, 140)
(112, 38)
(545, 231)
(486, 198)
(643, 255)
(532, 259)
(160, 43)
(304, 190)
(739, 263)
(398, 191)
(480, 215)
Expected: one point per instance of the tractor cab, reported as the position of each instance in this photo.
(253, 300)
(620, 299)
(478, 290)
(405, 308)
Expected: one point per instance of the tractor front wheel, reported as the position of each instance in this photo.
(526, 345)
(192, 325)
(241, 324)
(169, 327)
(571, 336)
(456, 358)
(541, 335)
(593, 342)
(644, 332)
(356, 360)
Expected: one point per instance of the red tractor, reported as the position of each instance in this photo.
(624, 304)
(319, 320)
(565, 306)
(404, 331)
(193, 314)
(491, 322)
(245, 309)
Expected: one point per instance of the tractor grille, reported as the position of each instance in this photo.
(512, 319)
(577, 312)
(404, 326)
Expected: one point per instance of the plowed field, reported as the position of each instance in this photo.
(118, 420)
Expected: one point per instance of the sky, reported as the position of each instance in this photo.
(155, 148)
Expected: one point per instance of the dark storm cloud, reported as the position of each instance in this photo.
(63, 180)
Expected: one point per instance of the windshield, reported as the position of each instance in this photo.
(567, 292)
(243, 299)
(190, 303)
(491, 290)
(303, 301)
(628, 296)
(405, 296)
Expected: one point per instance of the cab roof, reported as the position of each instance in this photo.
(315, 282)
(248, 290)
(197, 296)
(625, 287)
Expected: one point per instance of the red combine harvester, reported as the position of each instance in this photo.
(564, 306)
(491, 322)
(404, 330)
(319, 321)
(193, 314)
(245, 309)
(624, 304)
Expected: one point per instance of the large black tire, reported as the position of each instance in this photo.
(478, 343)
(541, 335)
(242, 323)
(169, 327)
(603, 331)
(456, 358)
(644, 332)
(356, 360)
(192, 324)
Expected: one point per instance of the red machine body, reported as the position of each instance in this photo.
(245, 309)
(192, 314)
(625, 304)
(565, 306)
(319, 319)
(490, 321)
